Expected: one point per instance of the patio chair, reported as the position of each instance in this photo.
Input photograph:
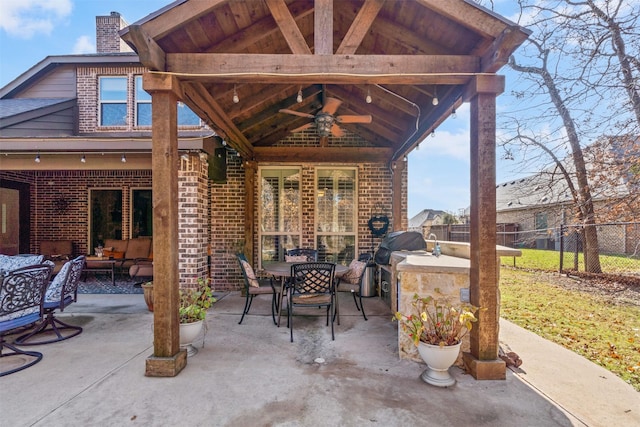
(351, 281)
(312, 285)
(62, 291)
(254, 285)
(21, 304)
(311, 254)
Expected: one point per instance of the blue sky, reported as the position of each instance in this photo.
(30, 30)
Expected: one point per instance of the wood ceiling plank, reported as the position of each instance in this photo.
(481, 21)
(360, 26)
(323, 27)
(288, 27)
(309, 69)
(174, 17)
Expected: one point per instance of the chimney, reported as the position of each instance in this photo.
(107, 38)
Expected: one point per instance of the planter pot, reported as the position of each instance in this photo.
(438, 360)
(188, 333)
(147, 288)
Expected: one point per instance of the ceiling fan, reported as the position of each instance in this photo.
(324, 120)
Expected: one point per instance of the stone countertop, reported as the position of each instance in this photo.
(419, 261)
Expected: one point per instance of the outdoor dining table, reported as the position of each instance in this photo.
(282, 270)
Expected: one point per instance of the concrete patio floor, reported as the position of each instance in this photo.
(251, 375)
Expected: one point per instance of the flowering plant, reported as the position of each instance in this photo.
(437, 321)
(194, 302)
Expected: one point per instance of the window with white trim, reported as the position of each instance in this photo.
(279, 213)
(336, 214)
(186, 116)
(113, 100)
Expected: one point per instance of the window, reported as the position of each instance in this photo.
(279, 213)
(106, 216)
(141, 213)
(186, 117)
(541, 221)
(143, 104)
(113, 101)
(336, 218)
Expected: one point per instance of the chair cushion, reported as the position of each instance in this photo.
(251, 276)
(54, 290)
(295, 258)
(138, 248)
(10, 263)
(116, 244)
(356, 268)
(311, 299)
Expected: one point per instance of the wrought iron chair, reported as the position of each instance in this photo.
(62, 291)
(351, 281)
(311, 254)
(312, 285)
(21, 304)
(254, 285)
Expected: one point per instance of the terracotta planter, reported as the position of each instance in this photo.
(147, 288)
(438, 360)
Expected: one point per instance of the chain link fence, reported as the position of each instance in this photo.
(618, 245)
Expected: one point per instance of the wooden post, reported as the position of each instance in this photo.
(398, 168)
(250, 168)
(167, 359)
(483, 361)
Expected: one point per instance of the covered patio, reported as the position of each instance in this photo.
(384, 73)
(251, 375)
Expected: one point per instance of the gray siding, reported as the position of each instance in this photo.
(60, 83)
(60, 123)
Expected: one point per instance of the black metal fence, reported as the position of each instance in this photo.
(618, 244)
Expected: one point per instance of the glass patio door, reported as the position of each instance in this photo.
(105, 222)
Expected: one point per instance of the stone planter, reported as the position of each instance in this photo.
(147, 288)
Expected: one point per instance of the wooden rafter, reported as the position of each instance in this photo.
(323, 27)
(288, 27)
(360, 26)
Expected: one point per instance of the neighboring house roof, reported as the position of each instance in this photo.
(37, 117)
(423, 216)
(11, 109)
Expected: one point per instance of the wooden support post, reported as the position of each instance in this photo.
(167, 359)
(483, 361)
(397, 212)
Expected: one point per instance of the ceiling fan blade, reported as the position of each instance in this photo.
(336, 131)
(297, 113)
(353, 119)
(331, 105)
(303, 127)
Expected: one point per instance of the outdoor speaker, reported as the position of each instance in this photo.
(218, 166)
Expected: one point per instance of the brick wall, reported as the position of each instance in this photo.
(107, 38)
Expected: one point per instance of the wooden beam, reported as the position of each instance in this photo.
(197, 93)
(158, 82)
(330, 69)
(176, 16)
(250, 170)
(287, 24)
(487, 83)
(150, 53)
(323, 27)
(360, 26)
(502, 47)
(397, 190)
(323, 155)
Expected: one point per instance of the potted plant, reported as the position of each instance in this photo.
(194, 303)
(147, 289)
(436, 327)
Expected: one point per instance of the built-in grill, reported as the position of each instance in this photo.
(387, 276)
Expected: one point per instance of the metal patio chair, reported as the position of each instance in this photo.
(351, 281)
(255, 285)
(311, 254)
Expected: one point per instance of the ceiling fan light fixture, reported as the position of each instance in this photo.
(236, 99)
(324, 122)
(299, 97)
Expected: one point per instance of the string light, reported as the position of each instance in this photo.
(299, 97)
(435, 96)
(235, 95)
(37, 159)
(83, 159)
(368, 98)
(433, 133)
(123, 159)
(453, 113)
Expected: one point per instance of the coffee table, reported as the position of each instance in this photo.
(96, 264)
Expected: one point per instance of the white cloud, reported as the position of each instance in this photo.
(448, 143)
(84, 44)
(26, 18)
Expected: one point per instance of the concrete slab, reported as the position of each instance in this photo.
(251, 375)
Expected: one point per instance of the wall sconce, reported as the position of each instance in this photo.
(235, 95)
(299, 97)
(123, 159)
(37, 159)
(324, 122)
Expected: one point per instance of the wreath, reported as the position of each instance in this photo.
(378, 224)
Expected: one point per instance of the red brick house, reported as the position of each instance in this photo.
(313, 105)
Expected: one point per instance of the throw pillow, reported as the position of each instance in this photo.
(295, 258)
(251, 276)
(356, 268)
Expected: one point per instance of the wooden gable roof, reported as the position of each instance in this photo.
(400, 53)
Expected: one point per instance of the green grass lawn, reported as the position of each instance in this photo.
(600, 330)
(548, 260)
